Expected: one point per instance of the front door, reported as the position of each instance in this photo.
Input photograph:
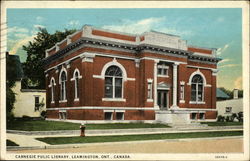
(163, 99)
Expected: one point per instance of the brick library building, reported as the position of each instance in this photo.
(98, 76)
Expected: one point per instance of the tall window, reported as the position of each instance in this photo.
(63, 85)
(197, 88)
(52, 90)
(182, 92)
(76, 84)
(150, 90)
(113, 82)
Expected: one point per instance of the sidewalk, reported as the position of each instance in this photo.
(106, 132)
(27, 140)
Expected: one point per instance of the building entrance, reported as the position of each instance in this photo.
(163, 99)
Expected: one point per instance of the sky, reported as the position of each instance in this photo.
(219, 28)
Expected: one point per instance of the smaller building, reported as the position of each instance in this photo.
(228, 107)
(220, 95)
(29, 102)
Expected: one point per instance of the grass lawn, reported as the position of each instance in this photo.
(11, 143)
(42, 125)
(223, 123)
(96, 139)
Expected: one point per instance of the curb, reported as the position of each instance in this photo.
(62, 132)
(16, 148)
(122, 131)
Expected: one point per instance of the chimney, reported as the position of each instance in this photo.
(235, 92)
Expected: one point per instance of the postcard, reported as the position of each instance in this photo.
(124, 80)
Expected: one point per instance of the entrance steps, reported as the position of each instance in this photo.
(191, 125)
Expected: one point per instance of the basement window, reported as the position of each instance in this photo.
(202, 116)
(120, 116)
(108, 115)
(63, 115)
(194, 116)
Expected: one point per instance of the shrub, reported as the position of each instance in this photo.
(220, 118)
(230, 118)
(234, 115)
(240, 116)
(43, 114)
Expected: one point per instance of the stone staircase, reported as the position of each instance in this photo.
(192, 125)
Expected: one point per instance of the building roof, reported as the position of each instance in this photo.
(221, 94)
(153, 41)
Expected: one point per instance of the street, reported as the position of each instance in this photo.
(205, 145)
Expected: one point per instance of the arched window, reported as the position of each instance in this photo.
(63, 79)
(197, 88)
(113, 82)
(76, 76)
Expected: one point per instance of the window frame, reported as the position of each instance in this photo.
(122, 115)
(150, 90)
(114, 79)
(111, 117)
(182, 92)
(195, 116)
(63, 85)
(197, 90)
(202, 114)
(37, 103)
(76, 87)
(228, 111)
(52, 89)
(62, 115)
(161, 67)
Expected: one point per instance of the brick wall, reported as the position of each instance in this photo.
(135, 91)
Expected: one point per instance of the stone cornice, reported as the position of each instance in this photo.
(127, 47)
(204, 58)
(167, 50)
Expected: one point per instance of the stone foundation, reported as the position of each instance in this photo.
(173, 117)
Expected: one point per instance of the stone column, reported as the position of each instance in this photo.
(213, 87)
(155, 84)
(175, 66)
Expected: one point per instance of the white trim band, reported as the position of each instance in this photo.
(101, 108)
(114, 99)
(194, 102)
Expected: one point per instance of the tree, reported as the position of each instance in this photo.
(13, 73)
(33, 67)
